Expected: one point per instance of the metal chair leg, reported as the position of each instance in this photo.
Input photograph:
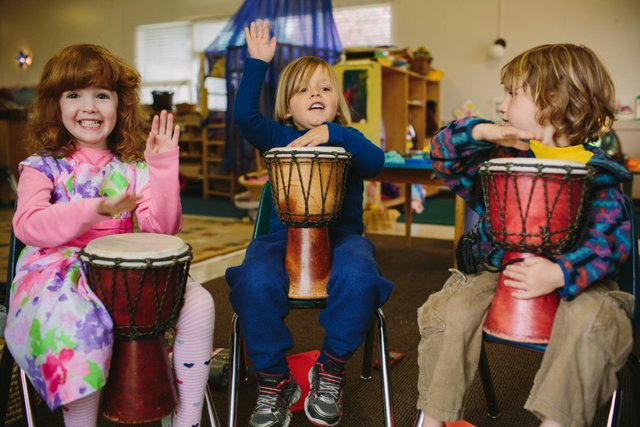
(383, 354)
(419, 418)
(487, 385)
(27, 396)
(613, 419)
(234, 380)
(367, 353)
(212, 416)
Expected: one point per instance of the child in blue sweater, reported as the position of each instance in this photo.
(310, 111)
(557, 99)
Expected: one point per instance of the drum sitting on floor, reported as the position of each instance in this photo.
(141, 279)
(536, 207)
(307, 187)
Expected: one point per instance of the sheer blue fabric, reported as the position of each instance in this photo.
(301, 27)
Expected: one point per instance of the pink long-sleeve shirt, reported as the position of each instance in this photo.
(38, 222)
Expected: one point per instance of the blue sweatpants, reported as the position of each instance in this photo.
(259, 289)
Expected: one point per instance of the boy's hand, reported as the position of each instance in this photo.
(507, 136)
(258, 42)
(533, 277)
(116, 205)
(316, 136)
(163, 136)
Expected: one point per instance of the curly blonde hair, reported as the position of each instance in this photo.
(77, 67)
(297, 74)
(570, 86)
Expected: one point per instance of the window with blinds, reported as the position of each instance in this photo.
(167, 55)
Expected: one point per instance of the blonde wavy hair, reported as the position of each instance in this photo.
(78, 67)
(296, 75)
(570, 87)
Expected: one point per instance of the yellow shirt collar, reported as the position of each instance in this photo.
(577, 153)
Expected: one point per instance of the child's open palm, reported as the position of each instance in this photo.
(163, 135)
(258, 42)
(533, 277)
(116, 205)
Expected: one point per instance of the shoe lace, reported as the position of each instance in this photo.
(329, 385)
(267, 398)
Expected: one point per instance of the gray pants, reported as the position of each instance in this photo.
(590, 341)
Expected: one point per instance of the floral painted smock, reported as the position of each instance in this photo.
(58, 331)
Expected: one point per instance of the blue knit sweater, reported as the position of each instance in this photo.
(263, 133)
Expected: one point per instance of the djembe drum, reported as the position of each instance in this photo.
(307, 187)
(141, 279)
(536, 207)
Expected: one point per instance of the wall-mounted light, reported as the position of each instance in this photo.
(497, 49)
(24, 59)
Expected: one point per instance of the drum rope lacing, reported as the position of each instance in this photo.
(282, 172)
(133, 331)
(547, 246)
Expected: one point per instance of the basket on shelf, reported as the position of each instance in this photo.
(253, 182)
(379, 219)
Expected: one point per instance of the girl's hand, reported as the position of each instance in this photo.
(163, 135)
(533, 277)
(507, 136)
(316, 136)
(116, 205)
(258, 43)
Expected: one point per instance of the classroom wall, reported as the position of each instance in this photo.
(458, 32)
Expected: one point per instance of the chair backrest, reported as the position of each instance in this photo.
(629, 277)
(263, 216)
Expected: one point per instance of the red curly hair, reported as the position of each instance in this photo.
(78, 67)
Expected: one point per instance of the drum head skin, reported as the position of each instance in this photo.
(528, 164)
(323, 151)
(136, 246)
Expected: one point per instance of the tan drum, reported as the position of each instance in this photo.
(307, 186)
(535, 206)
(141, 279)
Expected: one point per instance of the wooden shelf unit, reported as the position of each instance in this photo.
(217, 182)
(190, 144)
(395, 98)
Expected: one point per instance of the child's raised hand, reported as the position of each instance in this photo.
(533, 277)
(507, 136)
(163, 136)
(116, 205)
(258, 42)
(316, 136)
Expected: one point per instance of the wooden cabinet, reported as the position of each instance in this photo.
(13, 149)
(385, 100)
(190, 144)
(217, 181)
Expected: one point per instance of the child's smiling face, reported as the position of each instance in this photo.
(315, 102)
(89, 115)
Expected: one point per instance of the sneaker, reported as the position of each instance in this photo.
(323, 405)
(276, 393)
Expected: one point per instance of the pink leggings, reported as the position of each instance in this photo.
(191, 358)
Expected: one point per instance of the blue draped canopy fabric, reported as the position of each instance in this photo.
(301, 27)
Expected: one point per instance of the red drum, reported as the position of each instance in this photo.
(141, 279)
(536, 207)
(307, 186)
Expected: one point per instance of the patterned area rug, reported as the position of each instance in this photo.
(209, 237)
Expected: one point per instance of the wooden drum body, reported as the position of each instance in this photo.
(307, 186)
(536, 207)
(141, 279)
